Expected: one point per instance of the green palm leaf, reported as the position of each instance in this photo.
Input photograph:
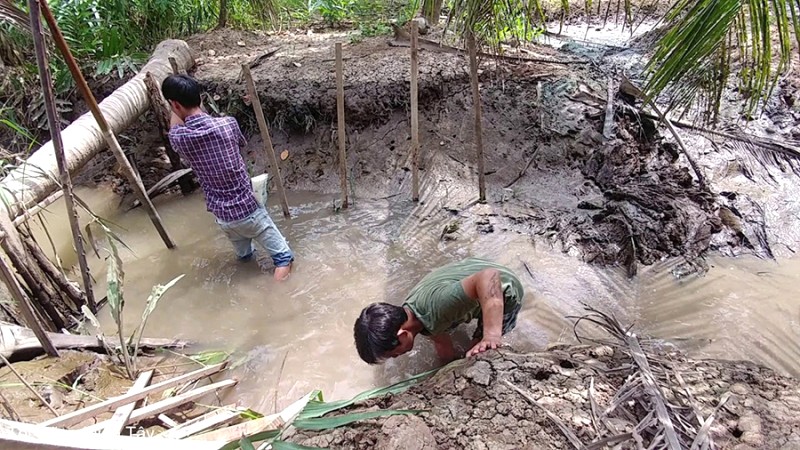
(692, 61)
(283, 445)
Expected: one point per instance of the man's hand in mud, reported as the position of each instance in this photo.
(487, 343)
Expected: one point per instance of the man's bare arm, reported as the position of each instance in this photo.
(485, 286)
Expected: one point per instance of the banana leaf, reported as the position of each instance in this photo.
(283, 445)
(326, 423)
(316, 408)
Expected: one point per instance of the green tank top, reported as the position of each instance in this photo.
(439, 300)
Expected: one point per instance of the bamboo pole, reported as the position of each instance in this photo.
(25, 306)
(414, 112)
(268, 148)
(161, 111)
(340, 129)
(55, 135)
(37, 208)
(108, 135)
(476, 105)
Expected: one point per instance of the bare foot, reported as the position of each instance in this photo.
(282, 273)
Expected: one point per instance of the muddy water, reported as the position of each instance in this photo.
(293, 337)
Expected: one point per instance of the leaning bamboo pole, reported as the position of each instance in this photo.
(268, 148)
(55, 136)
(108, 135)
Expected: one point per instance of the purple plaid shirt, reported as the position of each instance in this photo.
(211, 147)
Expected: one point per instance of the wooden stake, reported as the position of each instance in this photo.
(108, 135)
(414, 113)
(25, 306)
(268, 148)
(476, 105)
(161, 111)
(340, 129)
(55, 135)
(27, 385)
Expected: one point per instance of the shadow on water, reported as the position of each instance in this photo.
(298, 335)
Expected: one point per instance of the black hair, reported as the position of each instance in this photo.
(376, 330)
(182, 89)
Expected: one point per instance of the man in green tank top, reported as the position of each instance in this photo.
(447, 297)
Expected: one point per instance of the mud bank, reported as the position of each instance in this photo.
(627, 200)
(584, 392)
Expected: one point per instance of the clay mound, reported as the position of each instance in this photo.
(623, 395)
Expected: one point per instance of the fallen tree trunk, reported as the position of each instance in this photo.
(35, 179)
(18, 341)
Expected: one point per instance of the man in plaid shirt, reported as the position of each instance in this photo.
(211, 146)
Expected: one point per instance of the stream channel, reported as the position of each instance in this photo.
(297, 336)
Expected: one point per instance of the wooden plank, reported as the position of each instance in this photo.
(23, 340)
(115, 402)
(268, 148)
(252, 427)
(340, 129)
(414, 114)
(121, 415)
(165, 405)
(25, 436)
(202, 423)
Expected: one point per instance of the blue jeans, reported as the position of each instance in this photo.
(257, 227)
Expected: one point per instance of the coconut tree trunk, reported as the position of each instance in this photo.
(34, 180)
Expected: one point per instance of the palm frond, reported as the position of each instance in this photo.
(12, 14)
(693, 60)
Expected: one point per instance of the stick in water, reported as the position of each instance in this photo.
(27, 385)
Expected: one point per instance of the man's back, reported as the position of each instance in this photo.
(439, 301)
(211, 147)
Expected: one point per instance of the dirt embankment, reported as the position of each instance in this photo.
(550, 171)
(587, 392)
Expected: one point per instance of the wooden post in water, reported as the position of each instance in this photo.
(414, 112)
(28, 311)
(162, 112)
(340, 129)
(108, 135)
(268, 148)
(55, 135)
(476, 105)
